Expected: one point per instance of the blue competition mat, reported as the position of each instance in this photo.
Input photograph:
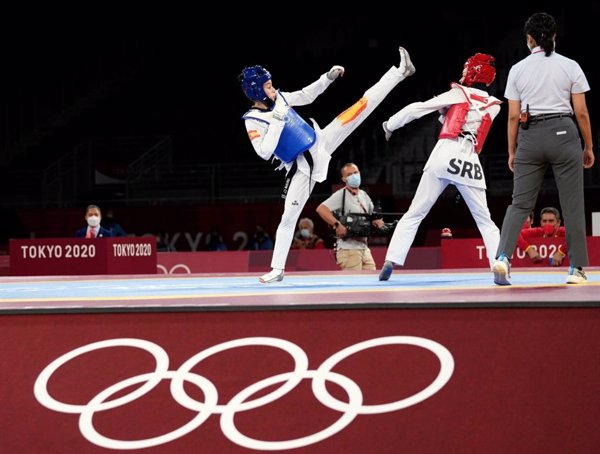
(298, 288)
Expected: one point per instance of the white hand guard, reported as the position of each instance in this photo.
(335, 72)
(280, 111)
(406, 67)
(388, 133)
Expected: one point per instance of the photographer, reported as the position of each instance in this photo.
(352, 252)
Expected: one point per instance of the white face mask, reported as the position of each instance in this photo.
(353, 180)
(305, 233)
(93, 221)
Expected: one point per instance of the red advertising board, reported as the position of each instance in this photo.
(81, 256)
(260, 261)
(410, 381)
(470, 253)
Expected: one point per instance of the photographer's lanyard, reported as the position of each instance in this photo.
(362, 207)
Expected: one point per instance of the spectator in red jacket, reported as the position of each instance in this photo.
(550, 228)
(528, 222)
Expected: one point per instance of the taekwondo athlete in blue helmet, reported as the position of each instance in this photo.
(276, 130)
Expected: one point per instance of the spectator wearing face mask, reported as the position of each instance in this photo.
(93, 215)
(305, 237)
(550, 228)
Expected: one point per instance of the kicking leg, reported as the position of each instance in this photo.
(345, 123)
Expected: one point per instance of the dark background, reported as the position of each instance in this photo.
(110, 71)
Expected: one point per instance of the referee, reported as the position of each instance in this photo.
(543, 92)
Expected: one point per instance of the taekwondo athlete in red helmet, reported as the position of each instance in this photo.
(276, 130)
(468, 112)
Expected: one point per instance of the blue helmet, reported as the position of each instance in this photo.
(253, 78)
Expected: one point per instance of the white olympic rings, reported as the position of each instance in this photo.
(239, 402)
(174, 268)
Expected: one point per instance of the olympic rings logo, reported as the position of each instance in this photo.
(174, 268)
(241, 401)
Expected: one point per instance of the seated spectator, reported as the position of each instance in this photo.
(214, 241)
(260, 240)
(109, 223)
(528, 222)
(93, 215)
(305, 237)
(550, 228)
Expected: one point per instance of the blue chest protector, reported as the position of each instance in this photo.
(297, 136)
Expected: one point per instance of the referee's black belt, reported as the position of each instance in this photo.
(550, 116)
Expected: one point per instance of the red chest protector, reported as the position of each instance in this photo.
(456, 116)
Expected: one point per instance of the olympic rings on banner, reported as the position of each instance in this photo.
(174, 268)
(40, 388)
(238, 403)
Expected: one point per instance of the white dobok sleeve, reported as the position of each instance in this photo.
(309, 93)
(419, 109)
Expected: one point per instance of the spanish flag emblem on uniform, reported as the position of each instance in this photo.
(352, 112)
(253, 134)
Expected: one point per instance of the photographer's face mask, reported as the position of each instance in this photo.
(353, 180)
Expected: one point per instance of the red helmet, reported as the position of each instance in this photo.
(479, 70)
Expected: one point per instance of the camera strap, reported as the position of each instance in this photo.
(362, 207)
